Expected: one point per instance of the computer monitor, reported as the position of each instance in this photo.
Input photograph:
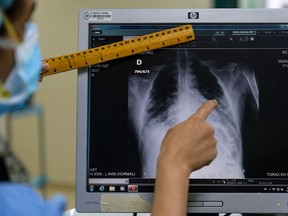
(125, 106)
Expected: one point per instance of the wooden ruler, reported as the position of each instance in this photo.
(120, 49)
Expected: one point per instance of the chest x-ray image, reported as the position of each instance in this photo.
(176, 86)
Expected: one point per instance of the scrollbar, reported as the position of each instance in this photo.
(205, 204)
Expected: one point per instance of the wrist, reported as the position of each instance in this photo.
(172, 166)
(174, 177)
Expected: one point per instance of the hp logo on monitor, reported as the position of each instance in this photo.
(193, 15)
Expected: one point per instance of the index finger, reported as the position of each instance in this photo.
(205, 109)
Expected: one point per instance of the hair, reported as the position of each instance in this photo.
(12, 13)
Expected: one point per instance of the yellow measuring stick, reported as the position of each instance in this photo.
(120, 49)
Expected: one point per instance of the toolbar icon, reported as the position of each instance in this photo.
(132, 188)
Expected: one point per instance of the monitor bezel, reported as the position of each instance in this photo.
(232, 202)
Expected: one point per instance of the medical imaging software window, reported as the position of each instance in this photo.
(133, 101)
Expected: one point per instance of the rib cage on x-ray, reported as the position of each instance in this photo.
(175, 89)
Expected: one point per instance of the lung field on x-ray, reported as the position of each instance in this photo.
(174, 89)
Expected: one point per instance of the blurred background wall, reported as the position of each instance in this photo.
(58, 25)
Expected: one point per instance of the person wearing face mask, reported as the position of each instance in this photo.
(20, 49)
(20, 66)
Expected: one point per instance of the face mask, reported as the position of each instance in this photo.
(23, 79)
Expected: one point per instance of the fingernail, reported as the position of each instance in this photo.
(45, 66)
(215, 101)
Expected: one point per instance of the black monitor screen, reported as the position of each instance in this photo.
(133, 101)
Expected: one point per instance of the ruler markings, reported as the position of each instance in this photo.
(119, 49)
